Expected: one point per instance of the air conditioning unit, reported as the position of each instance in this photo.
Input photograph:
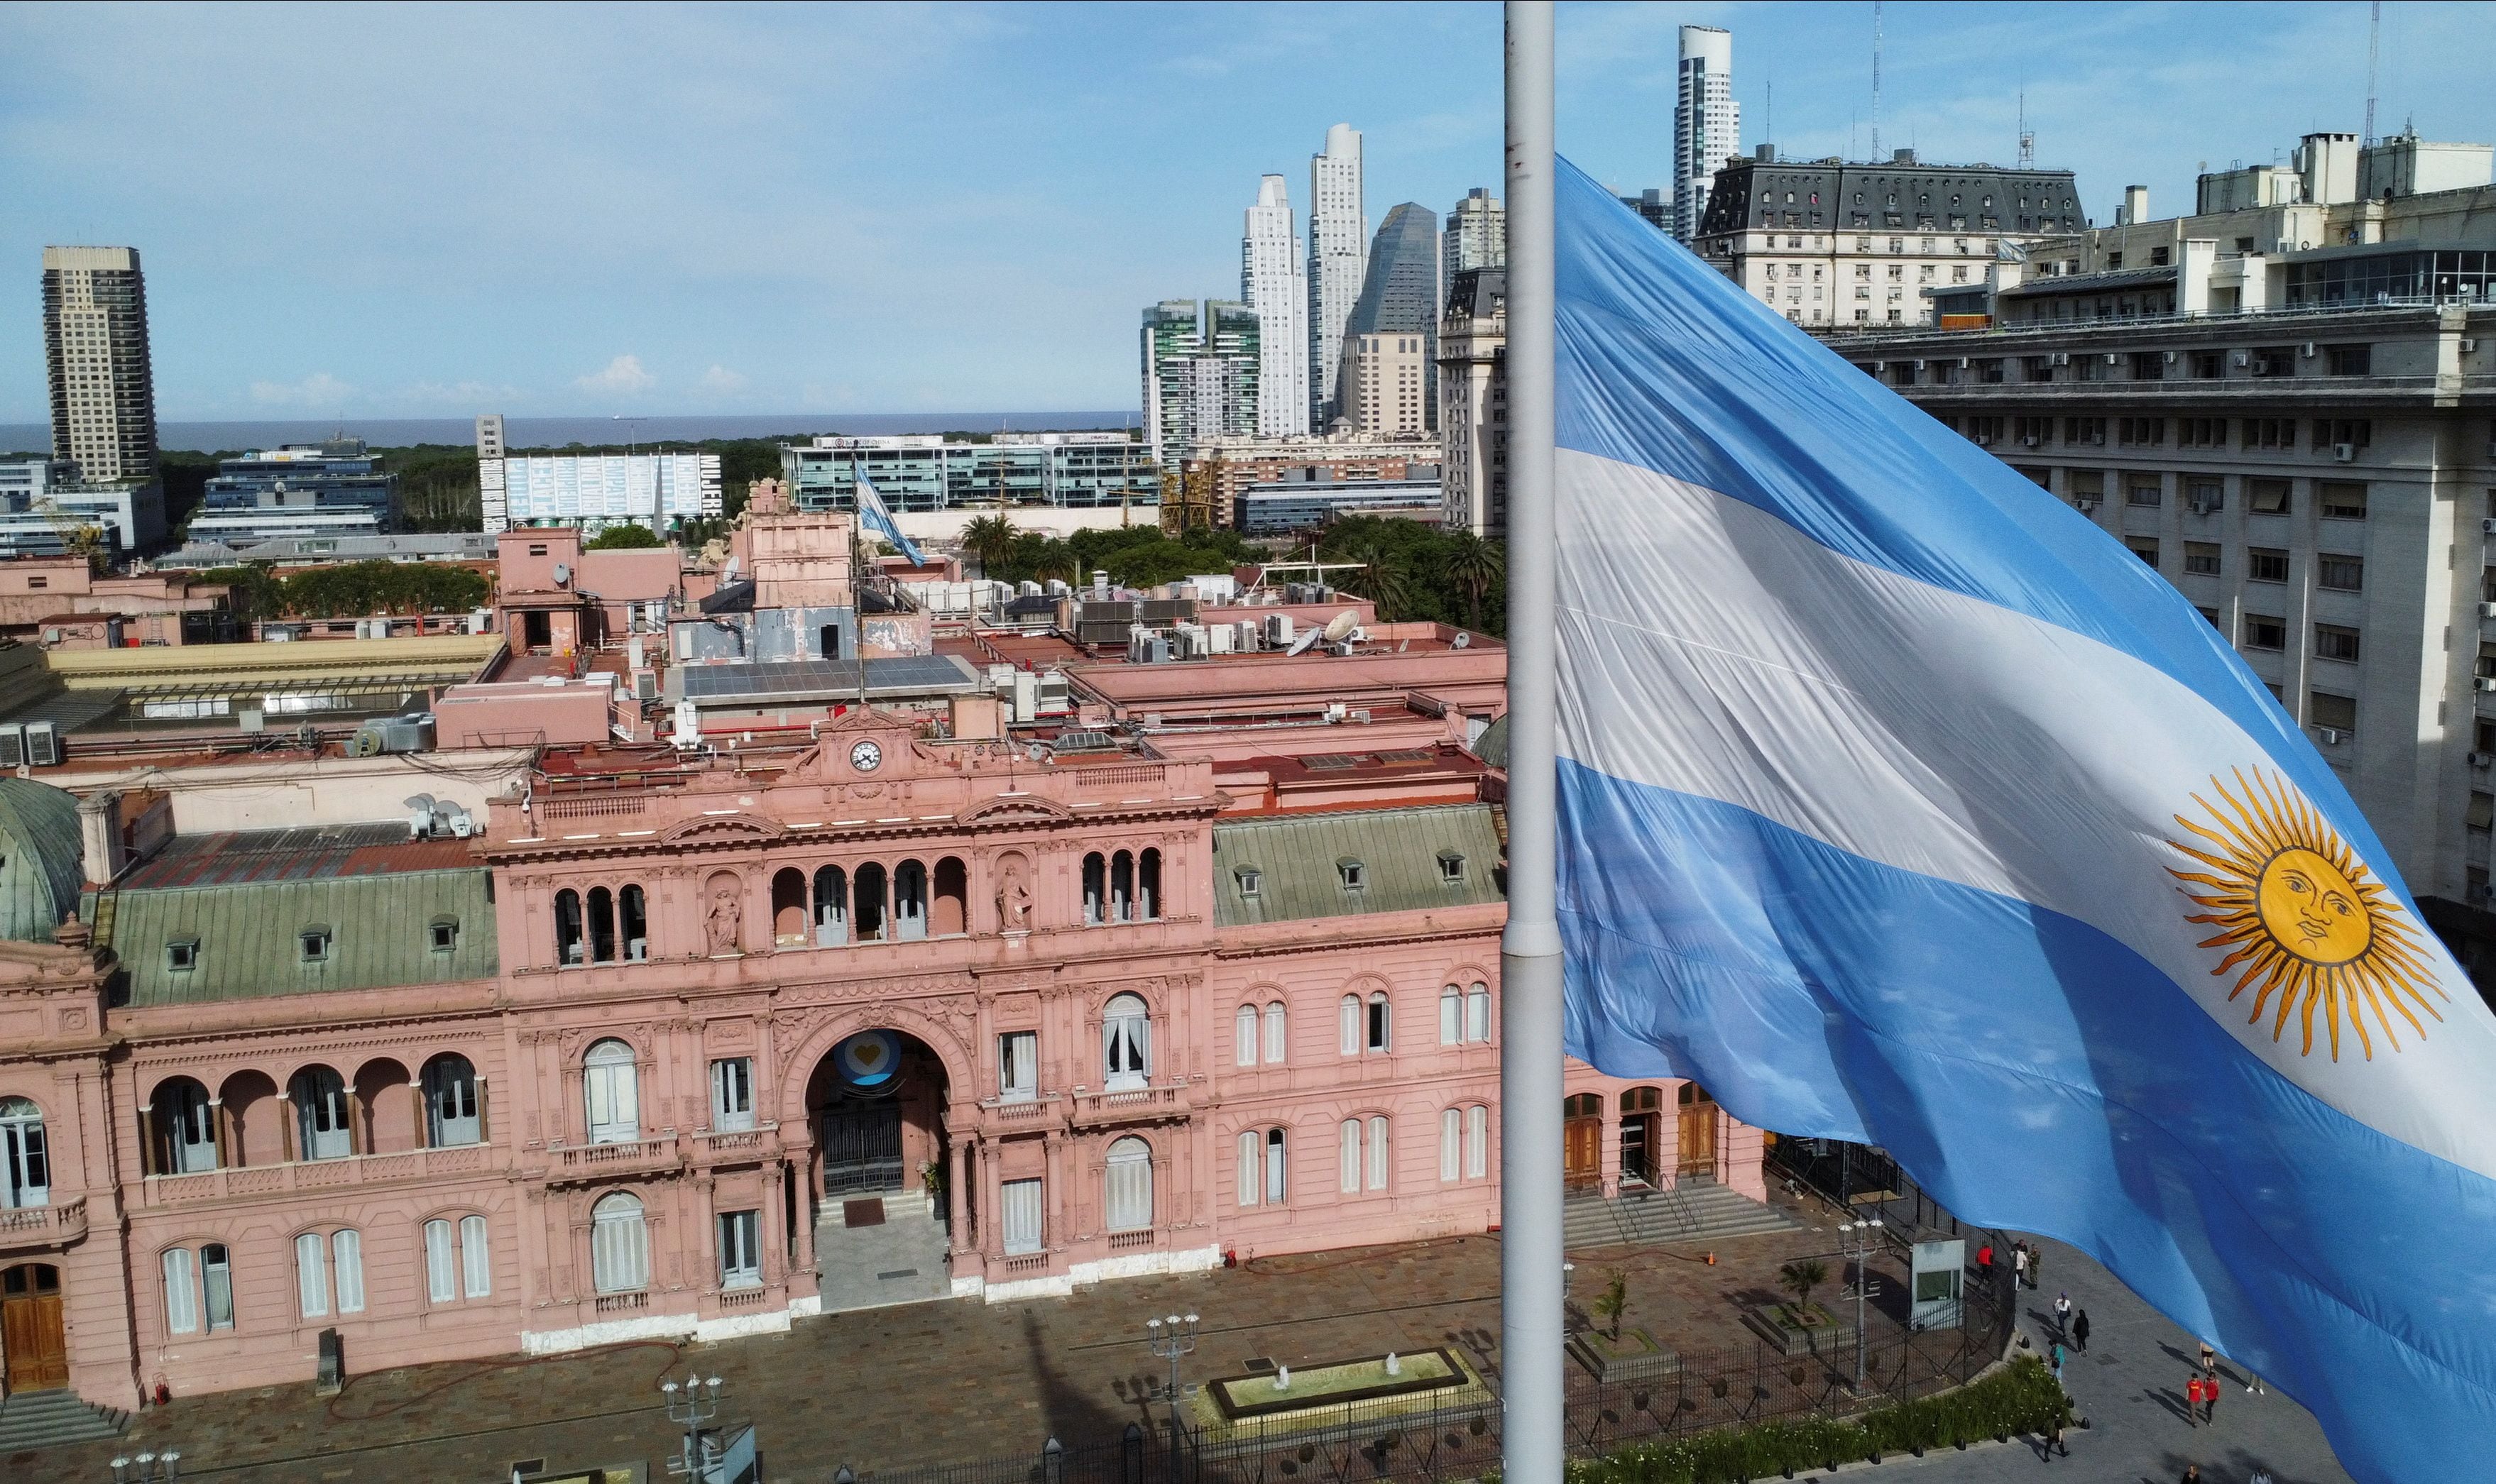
(12, 745)
(1919, 366)
(2029, 441)
(2204, 507)
(43, 745)
(2170, 357)
(2244, 359)
(2110, 358)
(1962, 363)
(2345, 453)
(2329, 736)
(2084, 503)
(2309, 349)
(2484, 685)
(2482, 760)
(2061, 358)
(2488, 610)
(2487, 527)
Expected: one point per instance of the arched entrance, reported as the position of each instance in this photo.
(30, 1327)
(875, 1105)
(1638, 1152)
(1582, 1160)
(1697, 1133)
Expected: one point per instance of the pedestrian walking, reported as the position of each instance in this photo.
(2210, 1361)
(2054, 1439)
(2035, 1264)
(2019, 1266)
(1985, 1262)
(2193, 1401)
(2210, 1400)
(2080, 1330)
(2191, 1474)
(2058, 1362)
(2254, 1385)
(2062, 1314)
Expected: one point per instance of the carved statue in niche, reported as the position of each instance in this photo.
(1013, 893)
(725, 918)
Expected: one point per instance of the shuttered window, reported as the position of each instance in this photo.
(1130, 1179)
(441, 1281)
(1022, 1228)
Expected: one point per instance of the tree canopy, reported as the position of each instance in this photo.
(627, 537)
(1416, 571)
(353, 589)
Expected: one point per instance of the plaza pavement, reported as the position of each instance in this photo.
(961, 1381)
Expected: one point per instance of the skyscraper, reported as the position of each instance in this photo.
(1199, 375)
(1274, 283)
(1400, 293)
(1476, 235)
(1706, 123)
(1338, 260)
(95, 345)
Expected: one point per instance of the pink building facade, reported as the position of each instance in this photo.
(702, 1047)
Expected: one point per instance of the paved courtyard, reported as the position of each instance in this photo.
(957, 1381)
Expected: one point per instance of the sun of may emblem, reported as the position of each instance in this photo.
(2297, 911)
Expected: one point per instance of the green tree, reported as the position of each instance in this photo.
(626, 536)
(1473, 565)
(991, 540)
(1381, 579)
(1798, 1277)
(1612, 1302)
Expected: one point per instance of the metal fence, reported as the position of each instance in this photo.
(1397, 1442)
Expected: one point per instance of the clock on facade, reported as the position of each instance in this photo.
(866, 757)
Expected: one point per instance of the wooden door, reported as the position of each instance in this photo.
(1582, 1142)
(1697, 1131)
(30, 1328)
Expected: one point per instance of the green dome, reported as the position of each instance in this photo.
(42, 862)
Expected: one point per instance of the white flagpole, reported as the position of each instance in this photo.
(1530, 1245)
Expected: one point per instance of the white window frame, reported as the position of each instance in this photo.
(1018, 1066)
(1381, 1027)
(732, 1093)
(1347, 1157)
(183, 1307)
(1478, 1011)
(1451, 1144)
(1024, 1226)
(25, 1159)
(1278, 1037)
(1251, 1183)
(1348, 1026)
(441, 1261)
(1243, 1035)
(619, 1245)
(610, 1082)
(740, 1249)
(1378, 1151)
(1452, 1016)
(446, 1092)
(347, 1269)
(1127, 1180)
(1278, 1167)
(1126, 1044)
(311, 1275)
(216, 1287)
(1478, 1141)
(476, 1258)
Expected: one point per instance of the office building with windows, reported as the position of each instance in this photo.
(1199, 365)
(929, 472)
(325, 489)
(1706, 123)
(1400, 300)
(1474, 236)
(1473, 401)
(2289, 412)
(597, 490)
(1338, 260)
(1273, 282)
(95, 348)
(1827, 243)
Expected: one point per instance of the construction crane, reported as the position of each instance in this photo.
(1190, 497)
(78, 536)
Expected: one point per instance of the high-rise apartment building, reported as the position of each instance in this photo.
(1199, 375)
(1274, 283)
(95, 345)
(1338, 260)
(1476, 235)
(1706, 123)
(1473, 402)
(493, 493)
(1399, 297)
(489, 435)
(1385, 389)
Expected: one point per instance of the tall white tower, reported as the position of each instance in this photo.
(1706, 123)
(1274, 285)
(1338, 260)
(1474, 236)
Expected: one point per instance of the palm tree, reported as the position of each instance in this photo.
(1473, 565)
(1799, 1278)
(1382, 581)
(991, 539)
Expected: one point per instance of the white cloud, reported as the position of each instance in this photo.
(722, 379)
(622, 374)
(319, 389)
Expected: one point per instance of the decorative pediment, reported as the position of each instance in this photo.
(833, 758)
(725, 829)
(1029, 809)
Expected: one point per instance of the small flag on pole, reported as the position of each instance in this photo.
(878, 519)
(1900, 804)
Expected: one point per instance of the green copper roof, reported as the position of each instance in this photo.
(41, 859)
(247, 938)
(1403, 859)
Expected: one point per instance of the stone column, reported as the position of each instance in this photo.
(484, 1128)
(217, 1116)
(957, 1196)
(423, 1125)
(147, 1141)
(285, 1131)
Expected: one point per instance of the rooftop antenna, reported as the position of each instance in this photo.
(2027, 136)
(2374, 30)
(1876, 79)
(1770, 126)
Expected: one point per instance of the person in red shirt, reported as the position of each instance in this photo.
(2193, 1401)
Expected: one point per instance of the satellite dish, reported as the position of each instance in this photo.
(562, 574)
(1461, 641)
(1339, 628)
(1307, 640)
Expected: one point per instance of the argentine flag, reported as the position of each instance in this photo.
(1900, 804)
(878, 519)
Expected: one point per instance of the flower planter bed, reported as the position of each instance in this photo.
(1636, 1356)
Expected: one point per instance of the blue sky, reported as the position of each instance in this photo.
(387, 211)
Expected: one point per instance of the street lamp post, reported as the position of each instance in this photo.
(153, 1468)
(1861, 1234)
(691, 1407)
(1173, 1337)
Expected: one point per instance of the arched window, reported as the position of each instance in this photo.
(1148, 886)
(602, 925)
(634, 910)
(477, 1256)
(1122, 887)
(866, 922)
(1477, 1012)
(611, 1085)
(1265, 1175)
(451, 1103)
(321, 1263)
(787, 907)
(198, 1289)
(568, 946)
(1348, 1026)
(619, 1245)
(321, 1130)
(1127, 1042)
(832, 907)
(25, 1168)
(1347, 1157)
(187, 1126)
(909, 902)
(1244, 1037)
(952, 914)
(1452, 1016)
(1382, 1021)
(1378, 1151)
(1452, 1141)
(1130, 1179)
(1277, 1033)
(458, 1265)
(1096, 889)
(1478, 1141)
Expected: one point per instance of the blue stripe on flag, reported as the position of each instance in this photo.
(2036, 1073)
(1662, 362)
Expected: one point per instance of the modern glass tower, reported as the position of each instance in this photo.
(95, 345)
(1338, 260)
(1476, 235)
(1400, 295)
(1706, 123)
(1199, 375)
(1275, 284)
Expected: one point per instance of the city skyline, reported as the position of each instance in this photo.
(530, 241)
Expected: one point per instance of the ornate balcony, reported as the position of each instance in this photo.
(735, 1146)
(1128, 1105)
(316, 1175)
(574, 1162)
(36, 1228)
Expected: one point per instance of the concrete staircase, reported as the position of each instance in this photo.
(40, 1419)
(899, 1260)
(1694, 1210)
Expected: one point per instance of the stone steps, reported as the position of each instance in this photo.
(899, 1260)
(1696, 1210)
(43, 1419)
